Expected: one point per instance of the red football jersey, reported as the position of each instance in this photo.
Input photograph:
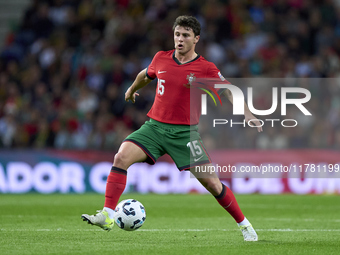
(172, 102)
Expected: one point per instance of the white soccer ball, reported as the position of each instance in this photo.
(129, 214)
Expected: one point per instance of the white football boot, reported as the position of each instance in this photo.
(101, 219)
(249, 233)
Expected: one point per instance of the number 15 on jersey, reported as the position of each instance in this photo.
(160, 87)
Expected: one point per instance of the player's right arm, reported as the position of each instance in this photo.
(141, 81)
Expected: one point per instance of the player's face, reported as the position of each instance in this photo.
(185, 40)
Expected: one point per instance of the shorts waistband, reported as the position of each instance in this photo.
(167, 125)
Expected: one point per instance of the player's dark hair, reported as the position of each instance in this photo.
(188, 22)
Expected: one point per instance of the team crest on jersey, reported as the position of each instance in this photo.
(191, 78)
(204, 85)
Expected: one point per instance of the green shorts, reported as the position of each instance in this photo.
(182, 142)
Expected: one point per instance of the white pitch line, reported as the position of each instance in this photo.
(47, 230)
(261, 230)
(298, 230)
(257, 218)
(296, 219)
(173, 230)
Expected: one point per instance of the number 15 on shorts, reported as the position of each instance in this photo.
(195, 149)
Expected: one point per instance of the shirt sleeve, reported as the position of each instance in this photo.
(214, 72)
(151, 70)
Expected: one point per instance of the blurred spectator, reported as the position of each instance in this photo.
(7, 130)
(87, 101)
(42, 25)
(271, 140)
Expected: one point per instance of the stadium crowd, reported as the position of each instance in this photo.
(65, 69)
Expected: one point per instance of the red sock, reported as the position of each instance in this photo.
(228, 201)
(115, 186)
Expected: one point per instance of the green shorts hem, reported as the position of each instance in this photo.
(151, 159)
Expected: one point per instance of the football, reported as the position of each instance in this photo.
(129, 214)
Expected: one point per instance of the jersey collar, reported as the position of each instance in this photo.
(179, 63)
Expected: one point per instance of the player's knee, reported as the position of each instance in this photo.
(121, 160)
(214, 187)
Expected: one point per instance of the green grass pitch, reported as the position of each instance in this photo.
(175, 224)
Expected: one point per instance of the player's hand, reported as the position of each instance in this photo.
(254, 122)
(129, 95)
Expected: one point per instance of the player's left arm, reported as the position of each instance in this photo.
(247, 113)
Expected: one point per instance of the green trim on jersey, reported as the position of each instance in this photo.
(181, 142)
(179, 63)
(146, 74)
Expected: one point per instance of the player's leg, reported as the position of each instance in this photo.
(222, 193)
(226, 199)
(142, 145)
(127, 154)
